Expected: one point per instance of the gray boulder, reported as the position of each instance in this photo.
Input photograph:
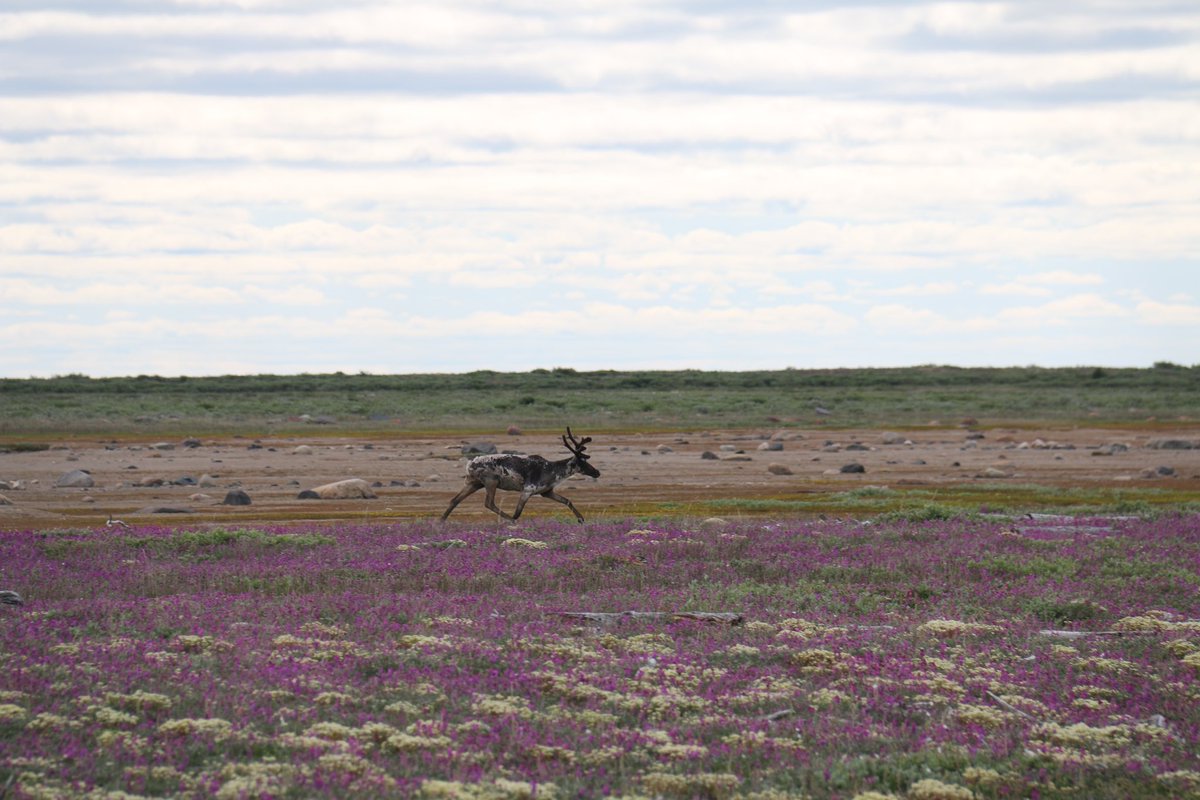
(236, 497)
(1170, 444)
(349, 489)
(76, 479)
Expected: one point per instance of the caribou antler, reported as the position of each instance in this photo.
(576, 446)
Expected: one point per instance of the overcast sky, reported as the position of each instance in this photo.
(204, 187)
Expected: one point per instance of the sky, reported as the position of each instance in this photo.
(209, 187)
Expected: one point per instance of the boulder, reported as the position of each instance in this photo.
(709, 455)
(165, 510)
(779, 469)
(75, 479)
(713, 524)
(853, 468)
(772, 445)
(479, 449)
(236, 497)
(891, 437)
(207, 481)
(1170, 444)
(302, 450)
(349, 489)
(4, 501)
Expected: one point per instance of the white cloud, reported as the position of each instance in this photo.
(1182, 314)
(1015, 287)
(921, 290)
(1064, 311)
(269, 168)
(898, 319)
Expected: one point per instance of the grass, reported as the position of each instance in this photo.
(601, 400)
(924, 504)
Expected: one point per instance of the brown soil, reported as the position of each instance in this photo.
(416, 477)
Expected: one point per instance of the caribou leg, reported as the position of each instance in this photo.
(471, 488)
(525, 496)
(490, 500)
(558, 498)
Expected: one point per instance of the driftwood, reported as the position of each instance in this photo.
(1084, 634)
(611, 618)
(1007, 706)
(777, 715)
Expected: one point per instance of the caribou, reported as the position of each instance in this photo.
(529, 475)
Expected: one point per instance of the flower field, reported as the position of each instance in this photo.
(966, 658)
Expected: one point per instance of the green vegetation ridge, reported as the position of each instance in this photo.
(601, 400)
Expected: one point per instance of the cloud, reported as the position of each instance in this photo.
(796, 181)
(1064, 311)
(1169, 314)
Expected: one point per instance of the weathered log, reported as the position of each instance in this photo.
(1083, 634)
(611, 618)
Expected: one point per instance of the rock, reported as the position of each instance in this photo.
(479, 449)
(308, 494)
(513, 430)
(891, 437)
(713, 524)
(779, 469)
(1170, 444)
(207, 482)
(728, 448)
(349, 489)
(4, 501)
(302, 450)
(191, 442)
(709, 455)
(853, 468)
(858, 446)
(236, 497)
(11, 598)
(75, 479)
(662, 448)
(199, 497)
(165, 510)
(772, 445)
(184, 480)
(993, 472)
(162, 446)
(1166, 472)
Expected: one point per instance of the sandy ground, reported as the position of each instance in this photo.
(416, 477)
